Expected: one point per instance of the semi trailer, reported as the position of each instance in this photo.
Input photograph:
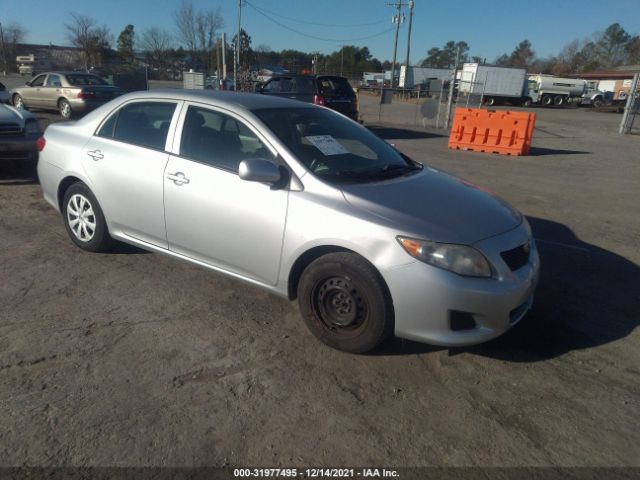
(499, 85)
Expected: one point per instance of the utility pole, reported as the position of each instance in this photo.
(397, 18)
(236, 57)
(406, 62)
(451, 85)
(224, 56)
(341, 58)
(4, 52)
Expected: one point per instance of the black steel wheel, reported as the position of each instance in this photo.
(345, 303)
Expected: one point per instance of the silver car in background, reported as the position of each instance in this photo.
(69, 93)
(301, 201)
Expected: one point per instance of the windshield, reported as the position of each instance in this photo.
(335, 148)
(85, 79)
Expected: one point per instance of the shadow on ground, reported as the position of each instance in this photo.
(539, 151)
(14, 172)
(587, 296)
(392, 133)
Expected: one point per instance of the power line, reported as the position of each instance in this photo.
(322, 39)
(319, 24)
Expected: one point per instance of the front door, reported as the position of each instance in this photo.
(125, 163)
(214, 216)
(32, 95)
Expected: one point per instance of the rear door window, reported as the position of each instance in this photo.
(336, 86)
(53, 81)
(142, 123)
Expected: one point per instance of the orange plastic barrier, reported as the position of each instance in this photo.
(492, 131)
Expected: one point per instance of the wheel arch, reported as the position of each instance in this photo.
(307, 257)
(63, 186)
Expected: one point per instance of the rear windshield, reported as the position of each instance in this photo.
(336, 85)
(85, 79)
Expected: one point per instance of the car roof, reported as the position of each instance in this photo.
(227, 99)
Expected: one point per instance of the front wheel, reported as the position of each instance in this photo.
(84, 220)
(65, 109)
(526, 102)
(344, 302)
(18, 102)
(597, 103)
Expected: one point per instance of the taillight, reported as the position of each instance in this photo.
(318, 99)
(40, 143)
(85, 95)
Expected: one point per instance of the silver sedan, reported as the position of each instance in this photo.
(301, 201)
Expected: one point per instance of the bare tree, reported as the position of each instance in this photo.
(12, 35)
(156, 42)
(184, 17)
(83, 33)
(198, 30)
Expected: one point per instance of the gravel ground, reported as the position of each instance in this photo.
(131, 358)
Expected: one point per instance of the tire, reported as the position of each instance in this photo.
(547, 100)
(526, 102)
(597, 102)
(558, 100)
(64, 107)
(490, 101)
(345, 303)
(88, 230)
(18, 102)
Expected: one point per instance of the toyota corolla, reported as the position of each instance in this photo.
(301, 201)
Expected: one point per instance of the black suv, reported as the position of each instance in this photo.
(328, 90)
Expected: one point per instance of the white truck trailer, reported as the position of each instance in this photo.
(32, 64)
(513, 85)
(495, 84)
(412, 76)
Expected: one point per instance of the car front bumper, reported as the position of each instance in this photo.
(424, 297)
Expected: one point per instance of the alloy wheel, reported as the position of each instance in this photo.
(81, 218)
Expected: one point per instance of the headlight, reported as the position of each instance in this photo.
(459, 259)
(31, 127)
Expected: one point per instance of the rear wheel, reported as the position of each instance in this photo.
(558, 100)
(490, 101)
(547, 100)
(18, 102)
(84, 220)
(345, 303)
(65, 109)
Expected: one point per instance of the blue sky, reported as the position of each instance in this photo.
(491, 30)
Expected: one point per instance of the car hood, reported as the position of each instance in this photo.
(435, 206)
(13, 115)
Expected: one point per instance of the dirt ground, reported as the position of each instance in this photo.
(131, 358)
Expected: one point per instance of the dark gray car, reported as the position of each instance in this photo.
(330, 91)
(67, 92)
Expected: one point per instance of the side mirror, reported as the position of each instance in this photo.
(27, 83)
(259, 170)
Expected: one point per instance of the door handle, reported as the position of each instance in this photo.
(95, 154)
(178, 178)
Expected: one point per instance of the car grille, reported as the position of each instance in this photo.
(518, 257)
(10, 129)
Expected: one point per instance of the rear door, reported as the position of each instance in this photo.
(51, 91)
(303, 89)
(125, 162)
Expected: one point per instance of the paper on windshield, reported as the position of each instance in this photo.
(327, 145)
